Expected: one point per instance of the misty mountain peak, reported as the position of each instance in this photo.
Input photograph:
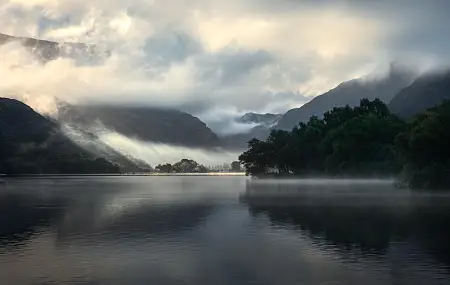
(425, 92)
(350, 93)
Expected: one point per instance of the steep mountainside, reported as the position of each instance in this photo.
(144, 123)
(426, 92)
(347, 93)
(31, 143)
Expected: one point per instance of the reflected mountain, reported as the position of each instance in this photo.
(22, 216)
(94, 209)
(137, 223)
(355, 218)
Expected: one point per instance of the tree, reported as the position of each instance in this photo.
(165, 168)
(255, 159)
(423, 149)
(362, 145)
(236, 166)
(346, 140)
(183, 166)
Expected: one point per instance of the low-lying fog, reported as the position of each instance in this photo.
(157, 153)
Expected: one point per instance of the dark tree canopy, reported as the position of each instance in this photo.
(346, 140)
(183, 166)
(366, 140)
(423, 149)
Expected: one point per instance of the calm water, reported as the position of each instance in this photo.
(220, 230)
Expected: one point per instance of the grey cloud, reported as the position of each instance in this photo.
(232, 66)
(172, 45)
(248, 73)
(420, 26)
(223, 120)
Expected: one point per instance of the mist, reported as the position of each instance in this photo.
(155, 153)
(214, 55)
(214, 59)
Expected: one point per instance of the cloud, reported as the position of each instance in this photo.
(203, 56)
(155, 153)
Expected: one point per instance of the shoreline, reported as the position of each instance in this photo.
(118, 175)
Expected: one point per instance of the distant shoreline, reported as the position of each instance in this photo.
(120, 175)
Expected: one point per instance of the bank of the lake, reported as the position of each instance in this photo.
(364, 141)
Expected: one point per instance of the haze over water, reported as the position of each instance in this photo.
(220, 230)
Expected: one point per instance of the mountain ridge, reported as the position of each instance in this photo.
(145, 123)
(33, 144)
(425, 92)
(347, 93)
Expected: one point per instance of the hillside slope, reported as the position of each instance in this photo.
(426, 92)
(33, 144)
(144, 123)
(347, 93)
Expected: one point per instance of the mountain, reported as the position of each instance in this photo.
(347, 93)
(31, 144)
(263, 124)
(262, 119)
(239, 141)
(425, 92)
(91, 142)
(48, 50)
(144, 123)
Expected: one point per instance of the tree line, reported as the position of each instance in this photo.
(191, 166)
(367, 140)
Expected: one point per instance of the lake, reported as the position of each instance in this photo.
(220, 230)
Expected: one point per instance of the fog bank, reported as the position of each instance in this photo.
(155, 153)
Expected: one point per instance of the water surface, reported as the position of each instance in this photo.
(220, 230)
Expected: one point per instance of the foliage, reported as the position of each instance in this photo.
(360, 141)
(423, 149)
(345, 141)
(183, 166)
(164, 168)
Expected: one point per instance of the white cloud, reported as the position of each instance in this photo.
(247, 54)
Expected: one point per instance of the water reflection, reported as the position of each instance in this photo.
(101, 208)
(20, 217)
(200, 230)
(369, 220)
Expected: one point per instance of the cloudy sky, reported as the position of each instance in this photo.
(219, 57)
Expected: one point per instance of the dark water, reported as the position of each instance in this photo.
(220, 230)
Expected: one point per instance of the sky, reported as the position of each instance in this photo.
(216, 58)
